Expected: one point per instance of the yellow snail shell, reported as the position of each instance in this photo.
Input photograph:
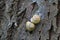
(30, 26)
(35, 19)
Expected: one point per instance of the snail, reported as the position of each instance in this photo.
(30, 26)
(35, 19)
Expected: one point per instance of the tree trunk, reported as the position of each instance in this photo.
(15, 13)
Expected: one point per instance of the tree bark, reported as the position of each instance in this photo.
(15, 13)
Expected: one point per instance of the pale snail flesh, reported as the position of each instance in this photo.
(30, 26)
(35, 19)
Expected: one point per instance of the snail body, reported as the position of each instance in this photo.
(30, 26)
(35, 19)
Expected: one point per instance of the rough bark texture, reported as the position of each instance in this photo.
(19, 11)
